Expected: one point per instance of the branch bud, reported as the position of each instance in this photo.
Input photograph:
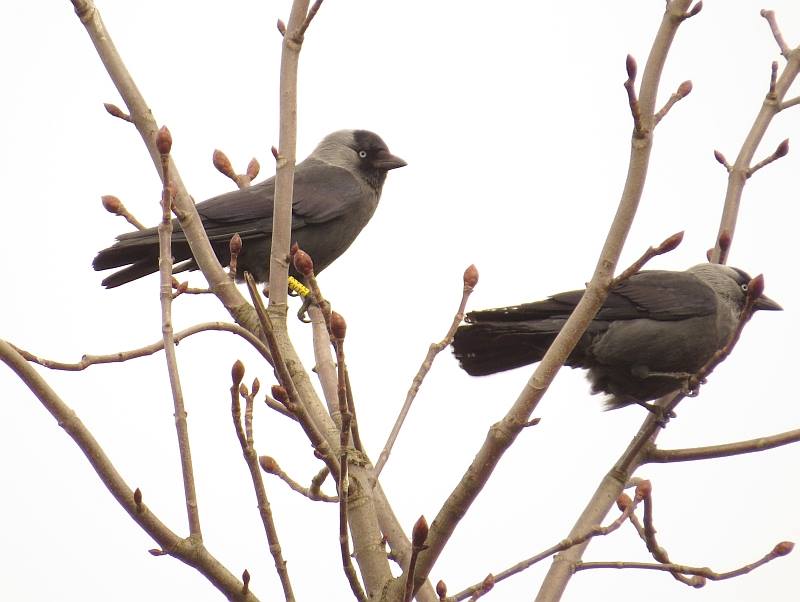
(222, 163)
(236, 244)
(137, 499)
(630, 67)
(685, 89)
(441, 590)
(268, 464)
(488, 583)
(720, 158)
(245, 581)
(115, 111)
(338, 325)
(156, 552)
(253, 168)
(671, 243)
(783, 548)
(471, 276)
(275, 153)
(644, 489)
(419, 533)
(302, 262)
(164, 140)
(280, 393)
(695, 9)
(782, 150)
(281, 27)
(111, 204)
(755, 288)
(243, 390)
(237, 373)
(256, 386)
(698, 581)
(724, 241)
(624, 501)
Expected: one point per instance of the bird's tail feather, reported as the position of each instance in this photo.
(489, 347)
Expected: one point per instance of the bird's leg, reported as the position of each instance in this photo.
(662, 416)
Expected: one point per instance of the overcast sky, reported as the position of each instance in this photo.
(516, 129)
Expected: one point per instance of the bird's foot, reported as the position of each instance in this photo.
(662, 415)
(302, 313)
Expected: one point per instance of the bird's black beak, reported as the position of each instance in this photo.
(386, 160)
(764, 302)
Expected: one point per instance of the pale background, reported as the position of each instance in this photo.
(515, 126)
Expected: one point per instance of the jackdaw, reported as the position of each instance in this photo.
(336, 191)
(653, 332)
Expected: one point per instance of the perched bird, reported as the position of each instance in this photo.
(652, 333)
(336, 191)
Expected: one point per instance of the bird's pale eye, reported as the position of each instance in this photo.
(744, 287)
(362, 154)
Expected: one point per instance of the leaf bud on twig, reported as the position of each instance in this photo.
(237, 372)
(164, 140)
(338, 325)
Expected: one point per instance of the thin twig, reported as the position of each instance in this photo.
(633, 101)
(245, 437)
(724, 450)
(790, 103)
(627, 507)
(284, 378)
(164, 144)
(113, 205)
(682, 92)
(659, 554)
(769, 15)
(309, 17)
(667, 245)
(781, 549)
(470, 280)
(418, 536)
(781, 151)
(270, 465)
(123, 356)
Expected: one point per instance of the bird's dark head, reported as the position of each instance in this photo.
(360, 151)
(732, 283)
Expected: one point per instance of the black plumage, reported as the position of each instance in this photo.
(652, 332)
(336, 191)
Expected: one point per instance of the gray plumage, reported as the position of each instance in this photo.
(652, 332)
(336, 191)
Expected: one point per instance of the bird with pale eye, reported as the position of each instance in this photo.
(653, 332)
(336, 191)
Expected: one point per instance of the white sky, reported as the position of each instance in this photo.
(515, 126)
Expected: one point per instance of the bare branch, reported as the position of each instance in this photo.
(776, 33)
(781, 549)
(189, 550)
(682, 92)
(270, 465)
(789, 103)
(470, 281)
(723, 450)
(245, 437)
(122, 356)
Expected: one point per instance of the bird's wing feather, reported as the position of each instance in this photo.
(656, 294)
(322, 192)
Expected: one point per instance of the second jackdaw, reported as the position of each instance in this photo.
(336, 191)
(653, 332)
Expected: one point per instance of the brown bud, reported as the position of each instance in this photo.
(755, 288)
(275, 153)
(685, 89)
(156, 552)
(338, 325)
(471, 276)
(644, 489)
(630, 67)
(137, 498)
(268, 464)
(256, 386)
(441, 589)
(115, 111)
(245, 581)
(222, 163)
(302, 262)
(724, 241)
(182, 287)
(720, 157)
(698, 581)
(281, 27)
(164, 140)
(111, 204)
(624, 501)
(670, 243)
(253, 168)
(236, 244)
(243, 390)
(783, 548)
(782, 150)
(280, 393)
(488, 583)
(237, 372)
(695, 9)
(419, 533)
